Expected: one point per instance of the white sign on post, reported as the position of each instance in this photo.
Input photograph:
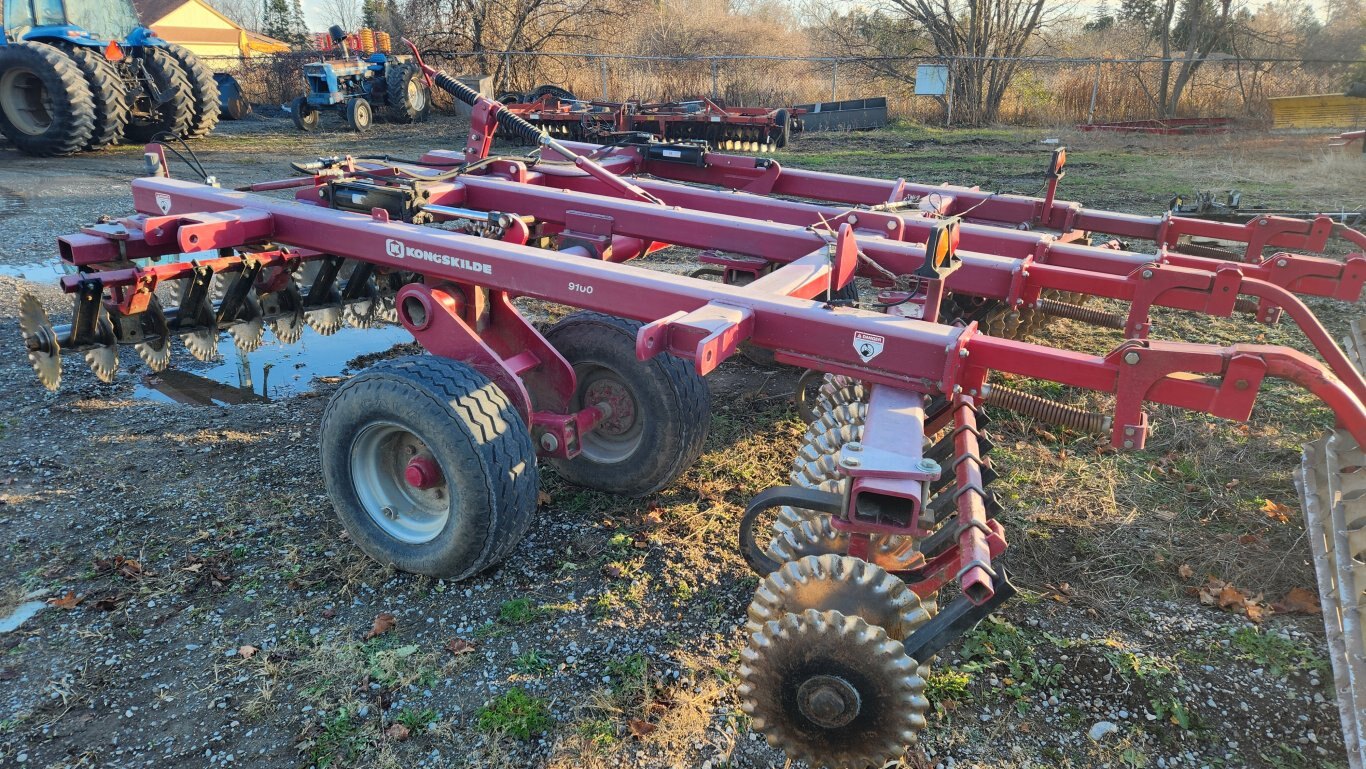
(931, 80)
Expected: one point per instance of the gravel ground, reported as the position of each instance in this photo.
(210, 611)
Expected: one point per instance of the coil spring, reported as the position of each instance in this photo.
(1050, 411)
(1089, 315)
(511, 123)
(382, 41)
(367, 40)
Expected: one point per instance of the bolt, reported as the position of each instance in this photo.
(853, 219)
(853, 446)
(929, 466)
(1241, 384)
(549, 442)
(826, 705)
(963, 353)
(1147, 274)
(891, 225)
(1282, 262)
(389, 512)
(1131, 358)
(1128, 444)
(1128, 431)
(957, 389)
(850, 461)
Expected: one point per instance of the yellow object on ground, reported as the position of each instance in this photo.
(1329, 110)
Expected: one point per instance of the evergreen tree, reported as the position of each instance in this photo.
(298, 24)
(275, 20)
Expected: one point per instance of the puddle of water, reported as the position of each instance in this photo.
(38, 272)
(23, 613)
(273, 372)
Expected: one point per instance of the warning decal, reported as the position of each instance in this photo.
(868, 346)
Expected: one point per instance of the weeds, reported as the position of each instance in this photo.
(516, 714)
(1277, 653)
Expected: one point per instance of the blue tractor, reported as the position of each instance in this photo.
(356, 87)
(79, 75)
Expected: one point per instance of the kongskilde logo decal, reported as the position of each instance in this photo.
(400, 250)
(163, 202)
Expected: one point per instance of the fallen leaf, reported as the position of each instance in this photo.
(398, 732)
(458, 646)
(68, 601)
(1249, 539)
(1185, 571)
(542, 498)
(1233, 484)
(1231, 598)
(1255, 612)
(247, 651)
(111, 602)
(384, 622)
(1277, 512)
(1298, 601)
(640, 728)
(329, 613)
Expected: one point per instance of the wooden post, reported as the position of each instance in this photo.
(834, 79)
(603, 63)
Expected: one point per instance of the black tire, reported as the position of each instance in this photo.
(478, 441)
(562, 94)
(203, 91)
(46, 107)
(109, 93)
(359, 114)
(671, 408)
(305, 117)
(407, 96)
(511, 97)
(176, 112)
(783, 120)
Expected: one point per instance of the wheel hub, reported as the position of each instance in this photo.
(621, 406)
(828, 701)
(423, 473)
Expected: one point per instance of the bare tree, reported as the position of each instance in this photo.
(345, 13)
(485, 27)
(983, 37)
(247, 13)
(1202, 26)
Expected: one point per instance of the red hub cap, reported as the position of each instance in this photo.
(422, 473)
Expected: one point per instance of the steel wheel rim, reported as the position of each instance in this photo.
(26, 102)
(380, 454)
(618, 437)
(416, 97)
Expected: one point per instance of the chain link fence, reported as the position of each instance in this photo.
(1042, 91)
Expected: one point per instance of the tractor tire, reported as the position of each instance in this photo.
(511, 97)
(203, 90)
(45, 103)
(306, 118)
(662, 411)
(108, 91)
(173, 115)
(563, 94)
(478, 457)
(408, 98)
(360, 115)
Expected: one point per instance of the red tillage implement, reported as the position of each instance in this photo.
(890, 501)
(756, 129)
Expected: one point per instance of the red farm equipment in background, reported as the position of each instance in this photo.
(754, 129)
(885, 547)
